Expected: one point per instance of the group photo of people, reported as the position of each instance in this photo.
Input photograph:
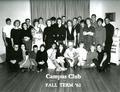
(58, 43)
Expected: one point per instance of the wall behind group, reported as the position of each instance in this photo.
(100, 7)
(14, 9)
(20, 9)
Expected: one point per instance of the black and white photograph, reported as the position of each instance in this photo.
(59, 45)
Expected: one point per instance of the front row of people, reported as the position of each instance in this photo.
(58, 58)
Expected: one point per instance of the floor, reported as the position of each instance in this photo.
(88, 80)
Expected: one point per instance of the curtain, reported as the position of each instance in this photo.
(58, 8)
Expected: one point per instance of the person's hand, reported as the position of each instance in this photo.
(13, 61)
(101, 65)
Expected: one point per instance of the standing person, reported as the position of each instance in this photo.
(54, 27)
(6, 36)
(41, 24)
(64, 21)
(100, 33)
(89, 32)
(26, 36)
(28, 21)
(70, 32)
(109, 35)
(41, 58)
(48, 35)
(15, 58)
(94, 22)
(76, 27)
(60, 32)
(79, 19)
(71, 55)
(82, 27)
(101, 62)
(16, 33)
(37, 34)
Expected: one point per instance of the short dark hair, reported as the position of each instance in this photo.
(69, 21)
(42, 45)
(75, 18)
(40, 18)
(35, 46)
(27, 19)
(82, 21)
(53, 19)
(16, 21)
(59, 19)
(8, 19)
(100, 19)
(47, 20)
(93, 15)
(35, 20)
(63, 16)
(23, 24)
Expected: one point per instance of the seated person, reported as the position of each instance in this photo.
(32, 57)
(60, 56)
(91, 57)
(14, 58)
(51, 56)
(41, 58)
(101, 63)
(25, 63)
(51, 61)
(82, 54)
(71, 55)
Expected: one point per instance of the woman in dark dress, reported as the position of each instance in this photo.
(16, 33)
(26, 37)
(69, 32)
(41, 58)
(89, 32)
(60, 32)
(48, 35)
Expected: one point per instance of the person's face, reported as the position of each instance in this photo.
(53, 22)
(99, 48)
(99, 23)
(35, 49)
(59, 22)
(74, 22)
(48, 23)
(17, 24)
(82, 25)
(28, 22)
(69, 23)
(107, 21)
(36, 23)
(23, 47)
(79, 19)
(61, 47)
(64, 19)
(70, 45)
(42, 49)
(25, 26)
(88, 22)
(40, 21)
(93, 18)
(16, 47)
(8, 22)
(92, 48)
(54, 46)
(81, 45)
